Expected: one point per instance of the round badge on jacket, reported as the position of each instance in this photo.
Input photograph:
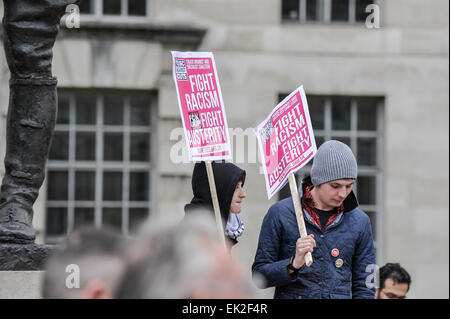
(339, 262)
(335, 252)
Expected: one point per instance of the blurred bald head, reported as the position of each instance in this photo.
(185, 260)
(95, 256)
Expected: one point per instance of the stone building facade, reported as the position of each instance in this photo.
(383, 91)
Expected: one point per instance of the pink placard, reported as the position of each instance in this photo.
(201, 105)
(286, 140)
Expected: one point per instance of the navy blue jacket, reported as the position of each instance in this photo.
(350, 233)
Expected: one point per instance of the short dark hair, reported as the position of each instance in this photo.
(394, 271)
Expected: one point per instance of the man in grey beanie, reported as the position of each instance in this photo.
(339, 235)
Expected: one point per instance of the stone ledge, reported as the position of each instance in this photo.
(21, 284)
(23, 257)
(165, 34)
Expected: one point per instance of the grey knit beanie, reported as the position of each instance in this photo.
(333, 160)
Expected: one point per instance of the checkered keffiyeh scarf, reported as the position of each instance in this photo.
(308, 205)
(235, 226)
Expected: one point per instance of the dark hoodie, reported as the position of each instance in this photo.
(226, 177)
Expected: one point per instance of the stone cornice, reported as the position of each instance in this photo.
(167, 35)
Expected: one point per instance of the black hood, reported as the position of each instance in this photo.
(226, 177)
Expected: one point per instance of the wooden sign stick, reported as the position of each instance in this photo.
(212, 188)
(299, 214)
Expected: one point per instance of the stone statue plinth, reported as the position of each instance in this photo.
(23, 257)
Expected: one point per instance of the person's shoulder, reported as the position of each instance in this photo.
(283, 205)
(281, 209)
(358, 216)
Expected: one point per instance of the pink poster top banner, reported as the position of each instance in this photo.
(286, 140)
(201, 106)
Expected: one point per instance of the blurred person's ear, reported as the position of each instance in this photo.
(96, 289)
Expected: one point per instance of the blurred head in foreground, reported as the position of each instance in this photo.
(88, 265)
(184, 260)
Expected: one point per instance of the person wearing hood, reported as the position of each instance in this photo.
(229, 181)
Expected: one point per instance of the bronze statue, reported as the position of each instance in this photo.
(29, 32)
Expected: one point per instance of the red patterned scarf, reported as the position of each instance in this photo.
(308, 204)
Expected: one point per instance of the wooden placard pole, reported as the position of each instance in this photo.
(299, 214)
(212, 188)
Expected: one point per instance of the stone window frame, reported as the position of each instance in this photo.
(324, 16)
(98, 166)
(124, 17)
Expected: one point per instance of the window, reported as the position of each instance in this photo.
(99, 169)
(357, 122)
(325, 11)
(118, 8)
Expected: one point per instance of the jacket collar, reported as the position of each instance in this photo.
(350, 203)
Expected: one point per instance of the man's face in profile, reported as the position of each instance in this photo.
(392, 290)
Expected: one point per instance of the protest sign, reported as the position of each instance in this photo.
(201, 106)
(203, 114)
(286, 143)
(286, 140)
